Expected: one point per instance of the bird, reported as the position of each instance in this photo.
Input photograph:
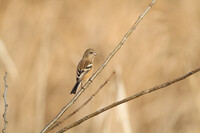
(84, 69)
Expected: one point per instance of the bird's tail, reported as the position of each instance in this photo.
(75, 87)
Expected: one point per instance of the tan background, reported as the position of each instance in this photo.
(43, 40)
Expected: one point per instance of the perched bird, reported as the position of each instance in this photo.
(84, 68)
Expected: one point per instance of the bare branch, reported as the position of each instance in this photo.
(101, 68)
(5, 103)
(128, 99)
(85, 103)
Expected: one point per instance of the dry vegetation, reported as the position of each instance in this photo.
(43, 40)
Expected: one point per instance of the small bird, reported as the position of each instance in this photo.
(84, 68)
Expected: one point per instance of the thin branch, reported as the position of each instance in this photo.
(85, 103)
(5, 103)
(128, 99)
(101, 68)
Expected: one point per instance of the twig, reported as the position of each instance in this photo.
(85, 103)
(101, 68)
(5, 103)
(128, 99)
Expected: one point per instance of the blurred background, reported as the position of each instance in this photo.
(41, 42)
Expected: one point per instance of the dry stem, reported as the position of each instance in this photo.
(5, 103)
(85, 103)
(128, 99)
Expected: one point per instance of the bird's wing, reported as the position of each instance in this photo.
(83, 68)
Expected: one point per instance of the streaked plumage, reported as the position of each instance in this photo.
(84, 68)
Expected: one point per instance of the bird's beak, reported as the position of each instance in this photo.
(95, 53)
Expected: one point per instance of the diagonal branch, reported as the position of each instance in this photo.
(101, 68)
(128, 99)
(85, 103)
(5, 103)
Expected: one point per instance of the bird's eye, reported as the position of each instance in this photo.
(91, 52)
